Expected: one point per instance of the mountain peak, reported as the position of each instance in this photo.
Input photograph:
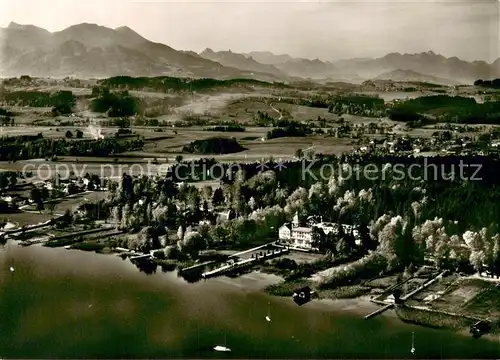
(207, 51)
(124, 28)
(129, 33)
(15, 26)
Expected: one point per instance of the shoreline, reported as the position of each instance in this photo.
(257, 281)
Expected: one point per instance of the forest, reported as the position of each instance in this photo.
(493, 84)
(61, 102)
(444, 108)
(29, 147)
(115, 104)
(214, 145)
(453, 223)
(166, 83)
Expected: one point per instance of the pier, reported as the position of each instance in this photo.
(232, 256)
(38, 240)
(403, 298)
(244, 263)
(139, 257)
(379, 311)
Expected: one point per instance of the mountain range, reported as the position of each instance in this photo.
(89, 51)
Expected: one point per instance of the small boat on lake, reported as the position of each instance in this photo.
(222, 348)
(302, 295)
(268, 317)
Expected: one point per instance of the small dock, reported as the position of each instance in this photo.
(139, 257)
(405, 297)
(379, 311)
(39, 240)
(196, 266)
(243, 263)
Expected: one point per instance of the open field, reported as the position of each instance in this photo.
(72, 203)
(28, 218)
(302, 257)
(462, 296)
(218, 105)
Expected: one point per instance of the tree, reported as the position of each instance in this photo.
(477, 259)
(79, 134)
(171, 252)
(496, 256)
(180, 233)
(68, 134)
(342, 248)
(218, 197)
(192, 243)
(207, 192)
(367, 243)
(299, 153)
(37, 198)
(252, 203)
(179, 158)
(3, 223)
(51, 206)
(318, 239)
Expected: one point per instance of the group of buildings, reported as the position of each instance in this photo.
(300, 237)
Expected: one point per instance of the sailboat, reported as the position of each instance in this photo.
(268, 317)
(222, 348)
(413, 343)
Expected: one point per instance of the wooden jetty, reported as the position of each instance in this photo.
(379, 311)
(243, 263)
(38, 240)
(405, 297)
(139, 257)
(196, 266)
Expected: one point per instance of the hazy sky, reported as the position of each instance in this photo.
(327, 30)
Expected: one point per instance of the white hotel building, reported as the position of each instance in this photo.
(301, 237)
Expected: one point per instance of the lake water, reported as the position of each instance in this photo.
(66, 303)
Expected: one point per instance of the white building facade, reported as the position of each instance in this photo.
(301, 237)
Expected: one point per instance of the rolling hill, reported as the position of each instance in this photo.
(413, 76)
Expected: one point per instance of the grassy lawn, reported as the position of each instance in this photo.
(73, 203)
(486, 303)
(28, 218)
(474, 297)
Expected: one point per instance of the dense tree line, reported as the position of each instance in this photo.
(445, 108)
(405, 222)
(8, 179)
(5, 112)
(451, 197)
(166, 83)
(214, 145)
(114, 104)
(357, 105)
(18, 148)
(226, 128)
(292, 130)
(62, 101)
(494, 84)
